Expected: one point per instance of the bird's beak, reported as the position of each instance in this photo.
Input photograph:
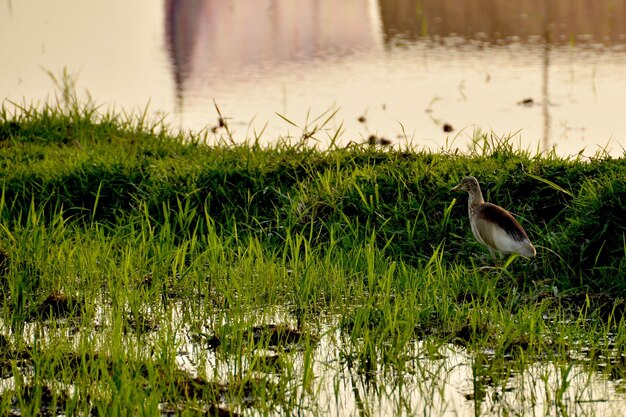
(457, 188)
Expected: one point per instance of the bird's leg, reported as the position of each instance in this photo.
(493, 255)
(500, 263)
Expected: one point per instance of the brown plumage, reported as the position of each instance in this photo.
(492, 225)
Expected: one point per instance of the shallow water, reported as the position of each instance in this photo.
(405, 67)
(442, 383)
(444, 380)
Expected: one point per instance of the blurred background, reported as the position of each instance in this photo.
(430, 73)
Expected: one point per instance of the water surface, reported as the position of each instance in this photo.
(553, 73)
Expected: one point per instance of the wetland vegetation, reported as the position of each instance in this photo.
(145, 272)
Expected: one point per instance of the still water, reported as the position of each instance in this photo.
(553, 73)
(446, 383)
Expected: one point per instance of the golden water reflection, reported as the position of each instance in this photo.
(553, 72)
(499, 21)
(424, 72)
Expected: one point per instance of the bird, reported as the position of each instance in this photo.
(494, 226)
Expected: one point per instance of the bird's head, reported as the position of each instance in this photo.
(469, 184)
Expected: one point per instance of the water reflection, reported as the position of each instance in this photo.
(427, 72)
(323, 369)
(215, 42)
(444, 380)
(545, 90)
(405, 69)
(501, 21)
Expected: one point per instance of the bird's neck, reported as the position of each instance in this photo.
(475, 199)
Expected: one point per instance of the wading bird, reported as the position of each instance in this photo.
(492, 225)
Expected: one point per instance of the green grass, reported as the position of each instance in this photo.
(148, 271)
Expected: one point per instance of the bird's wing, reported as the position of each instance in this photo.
(497, 216)
(498, 239)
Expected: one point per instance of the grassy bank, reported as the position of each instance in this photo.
(125, 246)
